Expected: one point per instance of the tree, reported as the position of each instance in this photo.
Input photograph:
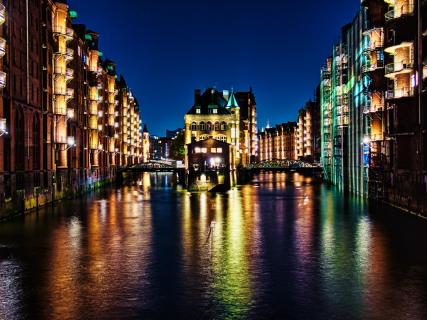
(177, 147)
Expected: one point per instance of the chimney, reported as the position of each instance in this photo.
(197, 97)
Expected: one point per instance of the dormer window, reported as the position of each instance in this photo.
(214, 111)
(198, 111)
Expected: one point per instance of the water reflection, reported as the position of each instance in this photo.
(281, 247)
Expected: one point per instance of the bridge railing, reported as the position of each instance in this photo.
(283, 164)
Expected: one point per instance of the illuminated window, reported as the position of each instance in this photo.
(202, 126)
(217, 126)
(204, 150)
(221, 138)
(223, 126)
(213, 150)
(197, 150)
(198, 111)
(194, 126)
(209, 126)
(218, 150)
(215, 111)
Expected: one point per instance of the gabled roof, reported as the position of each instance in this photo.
(210, 99)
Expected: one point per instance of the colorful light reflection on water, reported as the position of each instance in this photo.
(281, 247)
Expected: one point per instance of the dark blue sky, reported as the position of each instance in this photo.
(167, 48)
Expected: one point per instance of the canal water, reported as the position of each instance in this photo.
(281, 247)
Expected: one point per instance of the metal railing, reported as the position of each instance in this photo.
(397, 67)
(373, 108)
(69, 53)
(368, 67)
(2, 47)
(400, 93)
(70, 93)
(2, 14)
(374, 45)
(3, 76)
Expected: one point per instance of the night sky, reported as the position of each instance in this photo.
(167, 48)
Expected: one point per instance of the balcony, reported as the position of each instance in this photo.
(2, 47)
(405, 44)
(69, 32)
(60, 108)
(342, 110)
(3, 77)
(69, 54)
(400, 11)
(93, 122)
(371, 67)
(2, 14)
(400, 93)
(70, 93)
(59, 70)
(69, 73)
(373, 108)
(376, 137)
(60, 90)
(373, 46)
(393, 69)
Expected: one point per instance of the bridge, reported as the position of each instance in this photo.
(285, 165)
(155, 166)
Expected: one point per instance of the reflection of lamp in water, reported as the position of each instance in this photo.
(203, 177)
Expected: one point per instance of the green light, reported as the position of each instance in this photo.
(100, 54)
(73, 14)
(88, 37)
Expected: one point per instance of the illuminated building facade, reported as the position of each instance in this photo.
(278, 143)
(326, 119)
(219, 115)
(373, 104)
(405, 148)
(248, 126)
(308, 132)
(66, 121)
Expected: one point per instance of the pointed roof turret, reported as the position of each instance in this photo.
(232, 102)
(145, 130)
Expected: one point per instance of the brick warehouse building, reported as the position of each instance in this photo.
(67, 121)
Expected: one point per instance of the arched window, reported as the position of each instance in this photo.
(194, 126)
(209, 126)
(202, 126)
(19, 140)
(223, 126)
(217, 126)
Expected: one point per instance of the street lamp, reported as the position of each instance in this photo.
(71, 142)
(3, 128)
(70, 113)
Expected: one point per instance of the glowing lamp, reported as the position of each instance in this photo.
(70, 113)
(71, 141)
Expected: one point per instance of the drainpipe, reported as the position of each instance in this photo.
(28, 78)
(420, 87)
(28, 53)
